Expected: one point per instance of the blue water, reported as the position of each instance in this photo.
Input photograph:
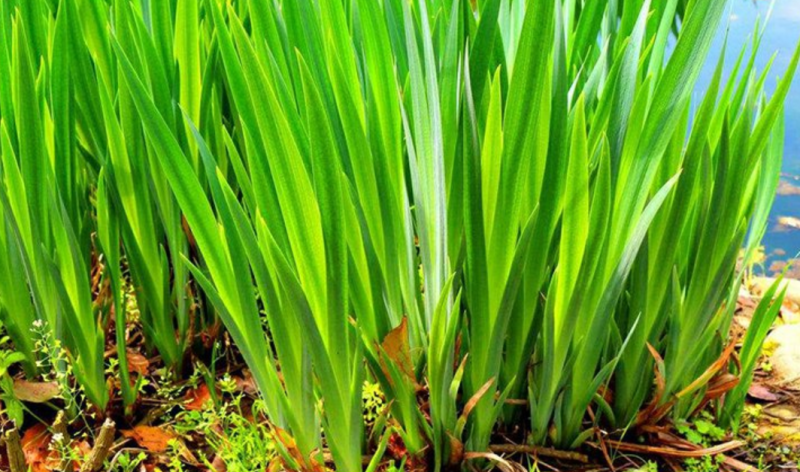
(780, 37)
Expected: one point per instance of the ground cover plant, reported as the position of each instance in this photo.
(511, 218)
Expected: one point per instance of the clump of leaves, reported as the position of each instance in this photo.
(8, 357)
(650, 466)
(702, 430)
(704, 464)
(126, 462)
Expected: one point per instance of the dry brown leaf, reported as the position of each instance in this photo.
(152, 438)
(36, 392)
(456, 451)
(137, 363)
(246, 384)
(763, 393)
(36, 447)
(197, 398)
(473, 401)
(396, 346)
(673, 452)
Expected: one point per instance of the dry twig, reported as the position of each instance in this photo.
(102, 447)
(539, 451)
(670, 452)
(16, 458)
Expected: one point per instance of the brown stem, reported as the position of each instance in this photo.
(16, 458)
(670, 452)
(102, 447)
(736, 464)
(60, 424)
(539, 451)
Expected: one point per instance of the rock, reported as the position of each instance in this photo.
(742, 322)
(785, 434)
(783, 336)
(780, 423)
(759, 285)
(784, 345)
(790, 316)
(787, 189)
(763, 393)
(789, 222)
(745, 306)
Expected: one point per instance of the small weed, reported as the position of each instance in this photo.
(55, 365)
(702, 430)
(704, 464)
(650, 466)
(175, 453)
(13, 408)
(232, 434)
(127, 463)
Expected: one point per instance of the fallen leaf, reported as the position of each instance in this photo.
(152, 438)
(396, 446)
(763, 393)
(36, 448)
(247, 384)
(83, 448)
(35, 392)
(456, 451)
(397, 348)
(197, 398)
(137, 363)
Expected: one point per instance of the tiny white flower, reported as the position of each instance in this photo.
(37, 324)
(58, 437)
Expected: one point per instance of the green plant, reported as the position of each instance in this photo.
(702, 430)
(242, 443)
(764, 316)
(650, 466)
(125, 462)
(43, 198)
(474, 201)
(150, 231)
(12, 407)
(601, 175)
(704, 464)
(56, 366)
